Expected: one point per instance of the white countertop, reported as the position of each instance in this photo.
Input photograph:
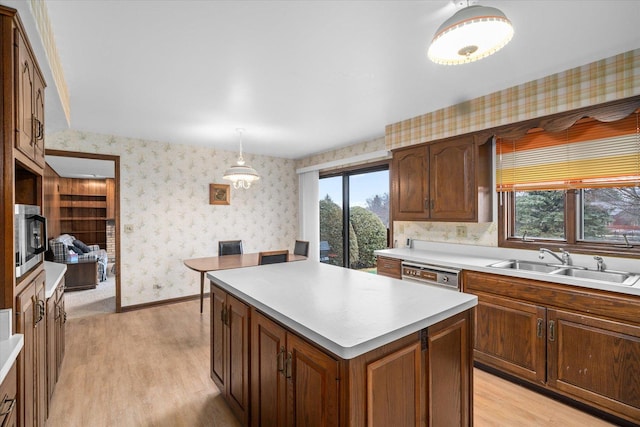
(479, 258)
(9, 350)
(54, 272)
(344, 311)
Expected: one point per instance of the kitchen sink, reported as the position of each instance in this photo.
(608, 276)
(618, 277)
(516, 264)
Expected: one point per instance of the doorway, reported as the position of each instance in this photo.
(91, 213)
(354, 216)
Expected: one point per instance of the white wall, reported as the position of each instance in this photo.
(164, 194)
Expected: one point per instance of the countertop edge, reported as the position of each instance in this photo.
(9, 351)
(54, 272)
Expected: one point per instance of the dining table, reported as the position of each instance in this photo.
(226, 262)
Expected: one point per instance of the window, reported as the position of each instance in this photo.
(578, 188)
(360, 199)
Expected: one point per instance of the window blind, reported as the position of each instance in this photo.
(587, 155)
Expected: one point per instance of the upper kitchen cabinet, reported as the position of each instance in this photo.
(29, 104)
(447, 180)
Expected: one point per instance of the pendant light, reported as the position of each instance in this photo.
(241, 175)
(473, 32)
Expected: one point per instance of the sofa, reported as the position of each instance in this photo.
(68, 250)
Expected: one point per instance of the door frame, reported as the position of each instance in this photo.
(116, 169)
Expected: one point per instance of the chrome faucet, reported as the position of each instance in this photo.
(601, 265)
(565, 259)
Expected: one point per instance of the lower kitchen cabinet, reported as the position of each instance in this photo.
(510, 335)
(594, 359)
(230, 350)
(9, 396)
(292, 382)
(390, 267)
(32, 368)
(56, 319)
(578, 342)
(424, 378)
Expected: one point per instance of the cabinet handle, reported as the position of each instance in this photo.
(224, 315)
(58, 311)
(42, 309)
(12, 404)
(552, 330)
(281, 360)
(287, 366)
(540, 327)
(33, 130)
(432, 204)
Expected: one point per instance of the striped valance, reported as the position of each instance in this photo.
(589, 154)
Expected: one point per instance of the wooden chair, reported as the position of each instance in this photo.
(273, 257)
(301, 248)
(230, 247)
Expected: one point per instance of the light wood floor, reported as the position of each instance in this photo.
(151, 368)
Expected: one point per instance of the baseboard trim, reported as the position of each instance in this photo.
(161, 302)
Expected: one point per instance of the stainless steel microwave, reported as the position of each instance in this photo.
(30, 238)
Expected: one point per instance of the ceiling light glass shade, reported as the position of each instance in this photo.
(242, 176)
(472, 33)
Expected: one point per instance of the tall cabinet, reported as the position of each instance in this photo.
(22, 162)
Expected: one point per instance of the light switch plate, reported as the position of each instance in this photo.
(461, 231)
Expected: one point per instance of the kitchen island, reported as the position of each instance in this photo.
(312, 344)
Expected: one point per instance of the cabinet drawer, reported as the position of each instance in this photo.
(390, 267)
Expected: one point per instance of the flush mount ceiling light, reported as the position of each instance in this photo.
(473, 32)
(241, 175)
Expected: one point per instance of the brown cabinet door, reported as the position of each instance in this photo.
(394, 388)
(390, 267)
(41, 352)
(268, 384)
(510, 336)
(449, 360)
(218, 362)
(25, 73)
(595, 360)
(237, 343)
(312, 385)
(38, 120)
(61, 322)
(30, 315)
(410, 190)
(52, 351)
(452, 180)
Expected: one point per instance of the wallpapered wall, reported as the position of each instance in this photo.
(164, 194)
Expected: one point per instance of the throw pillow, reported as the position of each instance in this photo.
(75, 249)
(84, 248)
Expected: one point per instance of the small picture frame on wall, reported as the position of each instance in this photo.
(219, 194)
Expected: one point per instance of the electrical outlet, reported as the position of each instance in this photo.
(128, 228)
(461, 231)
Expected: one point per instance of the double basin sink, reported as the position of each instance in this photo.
(607, 276)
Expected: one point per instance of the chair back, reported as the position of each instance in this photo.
(301, 248)
(229, 247)
(273, 257)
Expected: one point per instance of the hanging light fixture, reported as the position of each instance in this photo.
(473, 32)
(240, 174)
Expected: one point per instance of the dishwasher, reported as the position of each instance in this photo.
(433, 275)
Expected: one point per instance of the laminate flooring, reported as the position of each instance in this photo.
(150, 367)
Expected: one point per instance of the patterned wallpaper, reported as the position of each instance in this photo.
(164, 194)
(343, 153)
(609, 79)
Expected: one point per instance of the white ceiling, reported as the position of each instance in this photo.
(76, 167)
(301, 76)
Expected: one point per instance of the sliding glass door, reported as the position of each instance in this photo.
(358, 198)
